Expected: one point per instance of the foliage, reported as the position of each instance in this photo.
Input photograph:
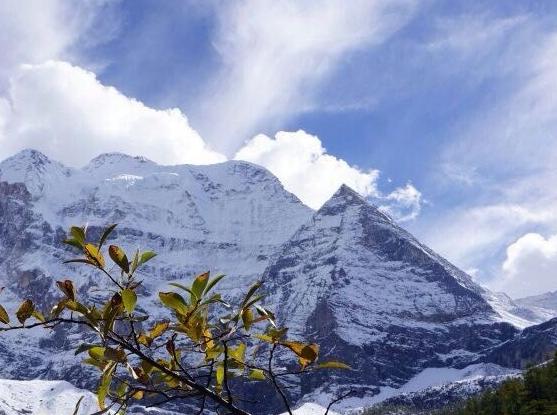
(533, 394)
(201, 353)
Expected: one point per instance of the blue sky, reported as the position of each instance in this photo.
(442, 112)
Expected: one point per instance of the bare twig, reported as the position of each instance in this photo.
(338, 399)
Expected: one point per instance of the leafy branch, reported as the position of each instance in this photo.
(198, 354)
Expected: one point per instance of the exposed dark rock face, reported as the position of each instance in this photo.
(346, 276)
(533, 345)
(369, 292)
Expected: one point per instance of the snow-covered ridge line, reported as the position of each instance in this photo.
(346, 276)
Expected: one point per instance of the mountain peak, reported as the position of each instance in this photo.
(346, 191)
(116, 158)
(346, 197)
(29, 156)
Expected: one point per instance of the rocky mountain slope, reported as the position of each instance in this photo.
(544, 304)
(346, 276)
(370, 292)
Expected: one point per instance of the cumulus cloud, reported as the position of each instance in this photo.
(499, 165)
(530, 266)
(65, 112)
(275, 54)
(467, 235)
(302, 164)
(305, 168)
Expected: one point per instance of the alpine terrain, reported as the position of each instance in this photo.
(346, 276)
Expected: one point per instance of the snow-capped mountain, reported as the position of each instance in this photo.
(227, 218)
(372, 294)
(346, 276)
(543, 304)
(434, 389)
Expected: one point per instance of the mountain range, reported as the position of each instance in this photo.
(347, 275)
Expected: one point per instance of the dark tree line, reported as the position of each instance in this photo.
(533, 394)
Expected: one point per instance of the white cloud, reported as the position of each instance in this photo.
(403, 203)
(34, 31)
(467, 235)
(275, 54)
(65, 112)
(299, 160)
(502, 156)
(530, 266)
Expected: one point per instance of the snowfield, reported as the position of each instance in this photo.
(346, 276)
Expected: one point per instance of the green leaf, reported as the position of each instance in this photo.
(104, 385)
(4, 317)
(213, 282)
(135, 262)
(146, 256)
(247, 318)
(76, 306)
(119, 257)
(74, 242)
(256, 374)
(97, 352)
(129, 297)
(174, 301)
(199, 285)
(106, 234)
(77, 405)
(115, 355)
(251, 291)
(78, 233)
(332, 364)
(58, 308)
(238, 353)
(85, 347)
(38, 315)
(25, 311)
(215, 298)
(183, 287)
(276, 334)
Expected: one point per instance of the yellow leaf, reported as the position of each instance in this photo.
(138, 395)
(256, 374)
(104, 385)
(220, 375)
(174, 301)
(145, 340)
(129, 298)
(93, 254)
(307, 353)
(247, 318)
(199, 285)
(97, 352)
(25, 311)
(4, 317)
(332, 364)
(119, 257)
(158, 329)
